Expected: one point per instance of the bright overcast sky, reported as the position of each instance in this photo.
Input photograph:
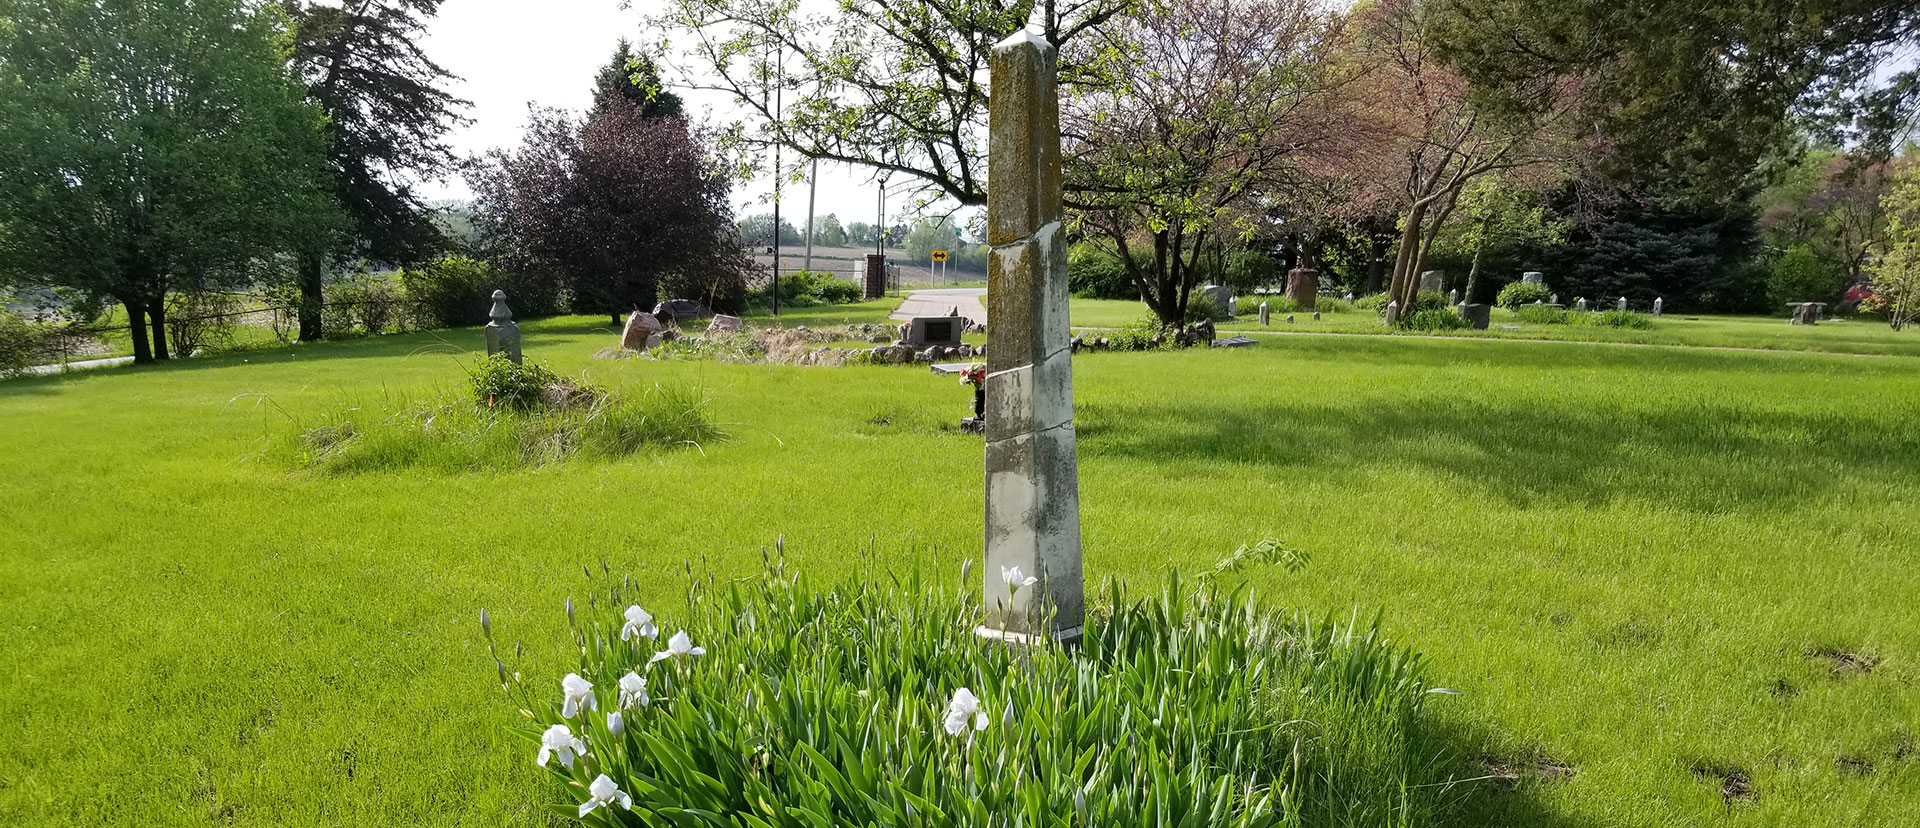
(511, 54)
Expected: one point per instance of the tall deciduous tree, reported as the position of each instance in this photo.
(1445, 139)
(625, 205)
(899, 87)
(1205, 132)
(388, 116)
(1701, 89)
(1896, 272)
(149, 144)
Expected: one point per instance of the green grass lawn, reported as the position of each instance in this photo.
(1631, 561)
(1863, 336)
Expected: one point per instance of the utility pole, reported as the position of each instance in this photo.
(813, 179)
(779, 83)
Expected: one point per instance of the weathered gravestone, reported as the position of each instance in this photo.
(681, 310)
(1453, 297)
(641, 326)
(1303, 287)
(1032, 486)
(723, 323)
(1222, 303)
(503, 336)
(1581, 305)
(1658, 304)
(1478, 316)
(1266, 313)
(1621, 305)
(1533, 277)
(1432, 280)
(926, 331)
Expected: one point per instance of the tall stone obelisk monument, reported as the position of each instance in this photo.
(1033, 487)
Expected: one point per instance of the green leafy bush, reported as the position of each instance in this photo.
(496, 382)
(1276, 304)
(774, 703)
(22, 344)
(1334, 304)
(1613, 319)
(1096, 274)
(806, 288)
(200, 320)
(1514, 295)
(1433, 319)
(1137, 335)
(451, 292)
(368, 305)
(1201, 308)
(1376, 302)
(1428, 300)
(837, 292)
(1800, 276)
(1531, 314)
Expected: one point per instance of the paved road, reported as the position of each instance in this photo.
(940, 302)
(81, 364)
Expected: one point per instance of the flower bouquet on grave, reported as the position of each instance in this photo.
(976, 376)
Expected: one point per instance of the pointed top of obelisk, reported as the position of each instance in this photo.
(1035, 32)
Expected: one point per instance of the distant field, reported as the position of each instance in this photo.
(847, 262)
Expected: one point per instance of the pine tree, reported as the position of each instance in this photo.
(635, 80)
(389, 116)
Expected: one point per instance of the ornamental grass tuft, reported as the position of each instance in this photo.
(776, 703)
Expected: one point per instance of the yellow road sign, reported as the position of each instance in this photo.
(939, 255)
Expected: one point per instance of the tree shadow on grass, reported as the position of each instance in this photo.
(1526, 354)
(1485, 786)
(1690, 457)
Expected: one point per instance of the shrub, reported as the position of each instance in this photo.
(366, 305)
(1138, 335)
(1531, 314)
(1095, 274)
(1376, 302)
(22, 343)
(1334, 304)
(1427, 300)
(1800, 276)
(1514, 295)
(1276, 304)
(1613, 319)
(496, 382)
(805, 289)
(776, 703)
(200, 320)
(451, 292)
(1200, 308)
(1433, 319)
(837, 292)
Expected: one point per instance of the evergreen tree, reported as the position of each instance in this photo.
(388, 118)
(636, 80)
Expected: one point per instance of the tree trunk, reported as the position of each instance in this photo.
(1400, 295)
(1473, 271)
(312, 267)
(157, 311)
(137, 328)
(1376, 261)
